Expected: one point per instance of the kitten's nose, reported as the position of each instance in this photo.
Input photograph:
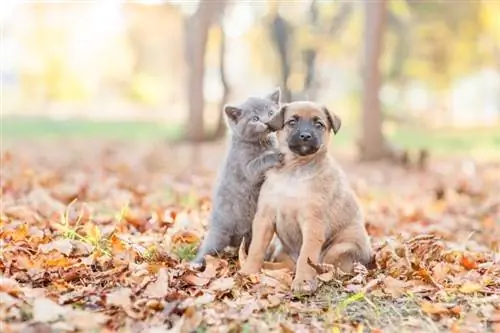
(305, 136)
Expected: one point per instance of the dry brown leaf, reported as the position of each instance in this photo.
(222, 284)
(188, 322)
(195, 280)
(86, 320)
(46, 310)
(394, 287)
(273, 301)
(159, 288)
(242, 256)
(434, 308)
(326, 277)
(185, 237)
(63, 246)
(120, 297)
(9, 286)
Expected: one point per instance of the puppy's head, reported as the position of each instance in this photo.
(304, 127)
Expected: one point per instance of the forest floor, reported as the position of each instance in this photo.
(95, 235)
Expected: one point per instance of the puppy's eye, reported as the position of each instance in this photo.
(319, 125)
(270, 113)
(291, 122)
(255, 118)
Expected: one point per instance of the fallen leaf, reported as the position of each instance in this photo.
(273, 301)
(326, 277)
(470, 287)
(195, 280)
(394, 287)
(185, 237)
(63, 246)
(188, 322)
(46, 310)
(120, 297)
(468, 262)
(86, 320)
(160, 287)
(434, 308)
(9, 286)
(222, 284)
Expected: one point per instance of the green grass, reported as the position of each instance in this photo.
(40, 127)
(483, 141)
(337, 308)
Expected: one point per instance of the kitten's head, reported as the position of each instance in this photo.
(248, 120)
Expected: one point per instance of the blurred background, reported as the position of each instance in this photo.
(402, 74)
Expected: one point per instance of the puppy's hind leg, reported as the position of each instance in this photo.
(214, 242)
(352, 246)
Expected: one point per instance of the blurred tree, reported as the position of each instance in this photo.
(197, 27)
(372, 141)
(220, 130)
(281, 34)
(310, 51)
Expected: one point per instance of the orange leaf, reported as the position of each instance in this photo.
(185, 237)
(468, 263)
(433, 308)
(117, 245)
(20, 233)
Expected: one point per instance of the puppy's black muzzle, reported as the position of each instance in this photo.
(304, 142)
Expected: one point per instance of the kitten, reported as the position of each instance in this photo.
(252, 151)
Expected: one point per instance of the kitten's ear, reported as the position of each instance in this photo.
(233, 113)
(275, 96)
(277, 122)
(334, 121)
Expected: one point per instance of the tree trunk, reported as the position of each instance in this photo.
(221, 125)
(372, 141)
(280, 32)
(310, 53)
(197, 28)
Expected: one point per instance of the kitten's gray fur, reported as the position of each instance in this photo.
(252, 151)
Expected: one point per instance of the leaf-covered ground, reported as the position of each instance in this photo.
(95, 236)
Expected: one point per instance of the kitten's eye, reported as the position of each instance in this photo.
(271, 113)
(319, 125)
(255, 118)
(291, 122)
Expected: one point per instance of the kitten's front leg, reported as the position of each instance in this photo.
(258, 166)
(215, 241)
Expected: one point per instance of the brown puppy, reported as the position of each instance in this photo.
(308, 201)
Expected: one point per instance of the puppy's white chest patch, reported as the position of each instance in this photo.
(286, 189)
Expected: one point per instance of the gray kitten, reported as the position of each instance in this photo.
(252, 151)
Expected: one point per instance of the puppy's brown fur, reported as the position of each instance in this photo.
(308, 201)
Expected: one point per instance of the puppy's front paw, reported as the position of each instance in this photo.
(307, 287)
(305, 281)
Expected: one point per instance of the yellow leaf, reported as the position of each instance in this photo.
(470, 287)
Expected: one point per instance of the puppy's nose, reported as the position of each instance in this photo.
(304, 136)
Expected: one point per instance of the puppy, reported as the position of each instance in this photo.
(308, 201)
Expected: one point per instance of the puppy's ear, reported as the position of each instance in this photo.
(275, 96)
(334, 121)
(233, 113)
(277, 122)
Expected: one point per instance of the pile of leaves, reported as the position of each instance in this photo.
(96, 237)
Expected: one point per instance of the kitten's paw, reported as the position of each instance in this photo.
(197, 264)
(277, 159)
